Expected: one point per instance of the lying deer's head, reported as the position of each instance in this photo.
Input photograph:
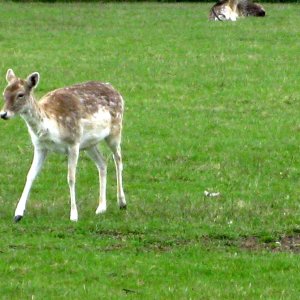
(17, 94)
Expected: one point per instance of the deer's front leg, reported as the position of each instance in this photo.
(37, 163)
(72, 163)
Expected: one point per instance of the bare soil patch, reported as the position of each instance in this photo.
(284, 244)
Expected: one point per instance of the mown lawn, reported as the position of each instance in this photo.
(209, 107)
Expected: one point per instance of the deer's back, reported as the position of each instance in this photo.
(83, 99)
(86, 112)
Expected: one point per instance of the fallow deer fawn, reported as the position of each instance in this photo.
(68, 120)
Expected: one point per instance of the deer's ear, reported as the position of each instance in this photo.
(33, 80)
(10, 75)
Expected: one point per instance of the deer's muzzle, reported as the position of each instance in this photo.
(4, 115)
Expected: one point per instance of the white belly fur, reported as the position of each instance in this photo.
(93, 130)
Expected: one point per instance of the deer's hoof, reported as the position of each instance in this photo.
(18, 218)
(123, 207)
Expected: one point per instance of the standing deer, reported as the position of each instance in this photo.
(68, 120)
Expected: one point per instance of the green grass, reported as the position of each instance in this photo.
(209, 106)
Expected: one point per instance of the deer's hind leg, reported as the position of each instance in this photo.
(115, 145)
(99, 160)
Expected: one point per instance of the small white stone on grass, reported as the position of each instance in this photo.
(211, 194)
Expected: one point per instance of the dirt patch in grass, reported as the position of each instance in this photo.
(283, 244)
(152, 242)
(290, 243)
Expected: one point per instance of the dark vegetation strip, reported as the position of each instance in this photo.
(148, 243)
(114, 240)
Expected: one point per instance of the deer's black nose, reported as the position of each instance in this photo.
(3, 115)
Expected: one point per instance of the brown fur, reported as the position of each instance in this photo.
(10, 94)
(90, 95)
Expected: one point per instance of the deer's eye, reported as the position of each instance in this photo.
(20, 95)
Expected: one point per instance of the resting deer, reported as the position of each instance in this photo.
(68, 120)
(233, 9)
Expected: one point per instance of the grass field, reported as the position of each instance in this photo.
(209, 106)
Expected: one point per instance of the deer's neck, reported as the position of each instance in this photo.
(33, 117)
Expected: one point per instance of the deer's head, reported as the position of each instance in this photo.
(18, 94)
